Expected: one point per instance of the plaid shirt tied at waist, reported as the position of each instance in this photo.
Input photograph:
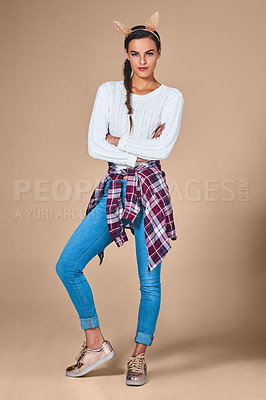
(146, 185)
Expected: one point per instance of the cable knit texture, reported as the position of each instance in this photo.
(110, 115)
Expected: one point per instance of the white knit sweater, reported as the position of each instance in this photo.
(110, 115)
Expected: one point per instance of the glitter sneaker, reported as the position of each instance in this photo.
(88, 359)
(136, 370)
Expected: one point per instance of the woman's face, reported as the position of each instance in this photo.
(143, 53)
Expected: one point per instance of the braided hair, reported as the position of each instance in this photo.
(127, 70)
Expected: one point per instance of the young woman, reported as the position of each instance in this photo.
(134, 124)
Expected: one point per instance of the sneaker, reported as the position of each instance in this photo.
(88, 359)
(136, 370)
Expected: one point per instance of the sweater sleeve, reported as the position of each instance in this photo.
(98, 146)
(158, 148)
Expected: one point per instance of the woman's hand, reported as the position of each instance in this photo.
(158, 132)
(140, 159)
(112, 139)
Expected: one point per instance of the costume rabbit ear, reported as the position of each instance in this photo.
(125, 30)
(152, 22)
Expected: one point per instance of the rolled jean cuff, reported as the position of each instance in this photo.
(87, 323)
(143, 338)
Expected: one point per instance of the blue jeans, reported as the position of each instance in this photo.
(91, 237)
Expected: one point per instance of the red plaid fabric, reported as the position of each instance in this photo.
(146, 185)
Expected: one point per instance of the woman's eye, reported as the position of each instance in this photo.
(150, 54)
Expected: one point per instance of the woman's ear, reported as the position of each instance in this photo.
(127, 55)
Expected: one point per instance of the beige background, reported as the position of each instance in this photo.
(210, 336)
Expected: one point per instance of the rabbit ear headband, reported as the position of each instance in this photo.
(150, 26)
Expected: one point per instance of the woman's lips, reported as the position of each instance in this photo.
(143, 68)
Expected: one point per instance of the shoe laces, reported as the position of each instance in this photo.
(82, 352)
(135, 362)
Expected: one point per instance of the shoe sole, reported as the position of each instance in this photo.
(135, 383)
(92, 366)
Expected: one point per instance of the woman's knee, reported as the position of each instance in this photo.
(70, 265)
(63, 269)
(150, 288)
(60, 268)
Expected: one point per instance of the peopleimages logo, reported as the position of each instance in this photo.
(31, 197)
